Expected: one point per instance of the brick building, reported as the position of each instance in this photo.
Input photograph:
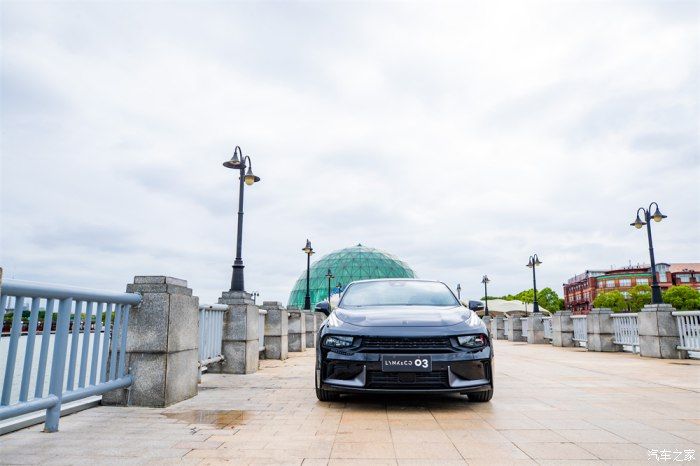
(582, 289)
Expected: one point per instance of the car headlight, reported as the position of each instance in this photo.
(337, 341)
(472, 341)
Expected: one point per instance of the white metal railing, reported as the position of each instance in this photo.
(261, 329)
(211, 330)
(523, 322)
(547, 323)
(580, 329)
(506, 326)
(626, 328)
(689, 331)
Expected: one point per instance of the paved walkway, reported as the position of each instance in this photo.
(551, 406)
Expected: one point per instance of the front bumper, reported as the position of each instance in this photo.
(362, 372)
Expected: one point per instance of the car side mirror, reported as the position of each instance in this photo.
(476, 305)
(323, 307)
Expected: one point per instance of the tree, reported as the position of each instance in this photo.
(682, 297)
(549, 299)
(639, 296)
(526, 296)
(612, 300)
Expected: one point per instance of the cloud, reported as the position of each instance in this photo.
(461, 137)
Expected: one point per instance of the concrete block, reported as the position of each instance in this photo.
(184, 316)
(148, 324)
(601, 331)
(240, 357)
(182, 375)
(320, 319)
(158, 279)
(276, 347)
(497, 329)
(535, 330)
(562, 329)
(515, 329)
(240, 346)
(297, 331)
(658, 332)
(276, 330)
(310, 318)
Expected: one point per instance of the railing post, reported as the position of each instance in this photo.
(658, 332)
(297, 331)
(276, 330)
(162, 344)
(310, 318)
(515, 329)
(239, 342)
(58, 364)
(562, 329)
(497, 328)
(601, 330)
(535, 329)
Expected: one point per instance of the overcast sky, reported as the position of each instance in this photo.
(461, 137)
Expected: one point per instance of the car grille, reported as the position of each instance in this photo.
(406, 344)
(407, 380)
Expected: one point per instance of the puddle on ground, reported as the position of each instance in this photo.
(218, 418)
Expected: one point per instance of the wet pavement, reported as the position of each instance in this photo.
(551, 406)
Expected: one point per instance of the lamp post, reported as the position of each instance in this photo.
(308, 250)
(245, 177)
(255, 295)
(485, 281)
(533, 263)
(329, 276)
(639, 223)
(459, 291)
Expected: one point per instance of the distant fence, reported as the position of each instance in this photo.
(688, 330)
(580, 330)
(626, 331)
(96, 360)
(211, 328)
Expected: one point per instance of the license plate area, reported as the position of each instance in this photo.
(407, 363)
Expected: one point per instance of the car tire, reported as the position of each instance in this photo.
(326, 395)
(481, 397)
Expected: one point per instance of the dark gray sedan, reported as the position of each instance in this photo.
(402, 336)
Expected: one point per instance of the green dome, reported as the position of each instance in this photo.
(347, 265)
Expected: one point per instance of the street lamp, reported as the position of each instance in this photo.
(248, 178)
(255, 294)
(639, 223)
(485, 281)
(533, 263)
(459, 291)
(308, 250)
(329, 276)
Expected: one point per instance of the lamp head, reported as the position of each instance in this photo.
(485, 279)
(638, 223)
(658, 216)
(308, 249)
(329, 275)
(249, 178)
(235, 162)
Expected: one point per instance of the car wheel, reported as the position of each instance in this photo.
(326, 395)
(481, 397)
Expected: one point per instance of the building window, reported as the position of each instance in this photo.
(684, 277)
(600, 283)
(625, 282)
(642, 281)
(610, 283)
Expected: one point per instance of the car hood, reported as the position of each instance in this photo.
(406, 316)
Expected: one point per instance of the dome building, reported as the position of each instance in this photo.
(347, 265)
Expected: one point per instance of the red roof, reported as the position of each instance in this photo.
(687, 267)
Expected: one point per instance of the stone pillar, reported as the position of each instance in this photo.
(487, 321)
(601, 331)
(562, 329)
(310, 318)
(297, 331)
(320, 318)
(515, 330)
(276, 329)
(658, 332)
(535, 329)
(497, 329)
(162, 344)
(239, 345)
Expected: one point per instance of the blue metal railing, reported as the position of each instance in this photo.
(84, 356)
(211, 328)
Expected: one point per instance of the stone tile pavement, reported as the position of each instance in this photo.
(551, 406)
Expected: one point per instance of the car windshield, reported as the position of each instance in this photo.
(398, 293)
